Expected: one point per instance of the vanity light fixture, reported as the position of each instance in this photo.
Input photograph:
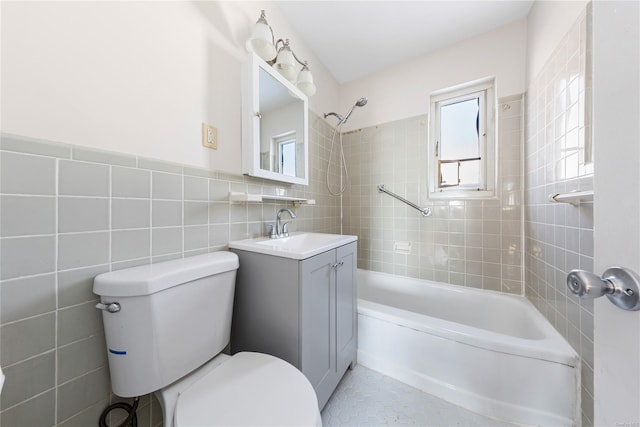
(280, 56)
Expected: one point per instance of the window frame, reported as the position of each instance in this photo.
(483, 89)
(275, 160)
(281, 143)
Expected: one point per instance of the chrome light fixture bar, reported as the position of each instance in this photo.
(263, 43)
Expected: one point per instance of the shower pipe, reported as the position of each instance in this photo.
(343, 163)
(423, 211)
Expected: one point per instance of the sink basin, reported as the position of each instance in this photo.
(296, 246)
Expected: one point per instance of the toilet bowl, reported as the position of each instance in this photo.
(166, 325)
(248, 389)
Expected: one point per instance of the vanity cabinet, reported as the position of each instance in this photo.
(302, 311)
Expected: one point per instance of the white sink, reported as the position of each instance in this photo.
(296, 246)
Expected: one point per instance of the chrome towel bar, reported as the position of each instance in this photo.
(574, 197)
(423, 211)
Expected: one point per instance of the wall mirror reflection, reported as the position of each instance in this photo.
(274, 124)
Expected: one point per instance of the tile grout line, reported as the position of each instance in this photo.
(57, 322)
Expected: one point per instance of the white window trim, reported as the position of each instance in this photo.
(285, 141)
(488, 141)
(276, 147)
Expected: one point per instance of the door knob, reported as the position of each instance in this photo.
(619, 284)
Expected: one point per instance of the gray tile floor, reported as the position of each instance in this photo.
(368, 398)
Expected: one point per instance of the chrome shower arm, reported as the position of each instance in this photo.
(340, 118)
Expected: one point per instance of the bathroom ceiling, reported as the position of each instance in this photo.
(356, 38)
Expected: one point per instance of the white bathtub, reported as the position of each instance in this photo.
(491, 353)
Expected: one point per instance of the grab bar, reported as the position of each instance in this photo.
(423, 211)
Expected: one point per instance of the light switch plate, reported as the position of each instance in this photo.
(209, 136)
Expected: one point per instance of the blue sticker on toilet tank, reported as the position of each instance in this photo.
(118, 352)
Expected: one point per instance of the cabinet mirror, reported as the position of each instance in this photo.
(274, 125)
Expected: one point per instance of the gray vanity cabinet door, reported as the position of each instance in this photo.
(266, 311)
(317, 279)
(346, 309)
(301, 311)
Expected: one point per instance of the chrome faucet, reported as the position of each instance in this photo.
(281, 229)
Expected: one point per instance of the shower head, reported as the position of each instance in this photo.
(359, 103)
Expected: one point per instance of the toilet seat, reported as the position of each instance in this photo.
(249, 389)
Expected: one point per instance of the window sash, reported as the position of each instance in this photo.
(475, 185)
(276, 152)
(482, 141)
(484, 88)
(282, 167)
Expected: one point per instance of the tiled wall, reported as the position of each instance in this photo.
(559, 237)
(475, 243)
(69, 213)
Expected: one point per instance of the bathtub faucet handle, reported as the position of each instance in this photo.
(619, 284)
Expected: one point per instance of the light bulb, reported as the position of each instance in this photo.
(286, 63)
(305, 82)
(261, 41)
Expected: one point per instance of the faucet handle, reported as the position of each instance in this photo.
(271, 230)
(285, 230)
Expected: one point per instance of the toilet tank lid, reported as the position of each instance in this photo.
(152, 278)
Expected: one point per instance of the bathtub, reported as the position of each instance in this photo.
(491, 353)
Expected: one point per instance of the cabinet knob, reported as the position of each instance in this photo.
(337, 264)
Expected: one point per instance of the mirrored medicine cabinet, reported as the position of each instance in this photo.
(275, 142)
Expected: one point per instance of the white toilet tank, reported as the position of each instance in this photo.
(173, 317)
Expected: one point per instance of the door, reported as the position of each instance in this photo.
(616, 135)
(346, 310)
(317, 310)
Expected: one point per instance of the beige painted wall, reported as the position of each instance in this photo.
(403, 91)
(136, 77)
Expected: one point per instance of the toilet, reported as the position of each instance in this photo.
(166, 326)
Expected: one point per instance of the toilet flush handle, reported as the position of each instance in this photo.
(112, 307)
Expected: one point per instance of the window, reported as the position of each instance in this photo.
(285, 149)
(462, 141)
